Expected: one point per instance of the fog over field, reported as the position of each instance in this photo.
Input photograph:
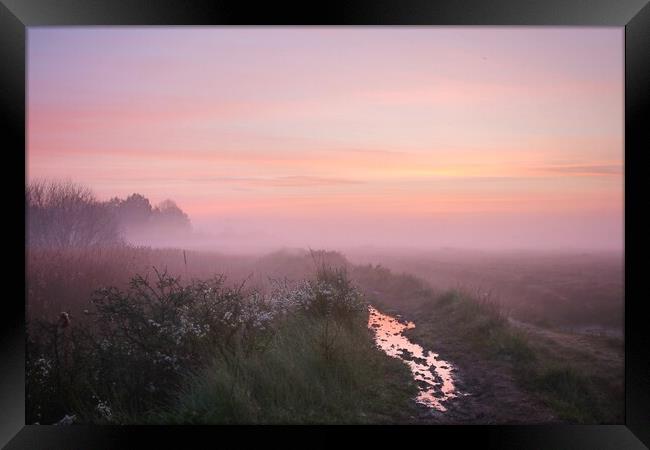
(589, 232)
(476, 138)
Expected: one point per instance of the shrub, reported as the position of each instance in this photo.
(135, 346)
(139, 343)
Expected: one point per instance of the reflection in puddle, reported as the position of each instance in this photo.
(432, 375)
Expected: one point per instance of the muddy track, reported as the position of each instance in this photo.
(493, 398)
(485, 390)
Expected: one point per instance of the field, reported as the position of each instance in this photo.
(303, 366)
(575, 291)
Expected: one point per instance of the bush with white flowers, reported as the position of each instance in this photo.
(136, 345)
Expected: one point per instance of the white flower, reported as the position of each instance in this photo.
(67, 420)
(43, 365)
(104, 410)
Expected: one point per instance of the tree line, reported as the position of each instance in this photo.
(66, 214)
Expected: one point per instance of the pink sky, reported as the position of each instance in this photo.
(472, 137)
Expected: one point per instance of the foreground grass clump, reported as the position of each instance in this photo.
(297, 380)
(321, 366)
(162, 352)
(572, 395)
(484, 326)
(477, 324)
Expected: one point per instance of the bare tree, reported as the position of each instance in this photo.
(65, 214)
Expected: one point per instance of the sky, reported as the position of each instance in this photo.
(477, 137)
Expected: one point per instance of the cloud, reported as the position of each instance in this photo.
(282, 181)
(308, 181)
(593, 170)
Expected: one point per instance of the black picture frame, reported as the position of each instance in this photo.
(634, 15)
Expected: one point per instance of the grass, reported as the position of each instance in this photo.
(295, 381)
(483, 325)
(572, 384)
(554, 288)
(573, 396)
(314, 365)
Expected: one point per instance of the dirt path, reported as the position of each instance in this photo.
(484, 391)
(492, 397)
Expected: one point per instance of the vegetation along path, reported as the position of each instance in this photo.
(469, 391)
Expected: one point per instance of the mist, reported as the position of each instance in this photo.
(469, 231)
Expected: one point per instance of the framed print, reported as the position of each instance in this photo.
(422, 218)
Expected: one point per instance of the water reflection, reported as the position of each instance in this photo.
(431, 374)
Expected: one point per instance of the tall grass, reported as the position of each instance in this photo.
(388, 289)
(572, 395)
(483, 325)
(296, 381)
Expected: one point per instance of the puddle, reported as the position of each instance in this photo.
(431, 374)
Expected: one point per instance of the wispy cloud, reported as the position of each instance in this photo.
(295, 181)
(584, 169)
(282, 181)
